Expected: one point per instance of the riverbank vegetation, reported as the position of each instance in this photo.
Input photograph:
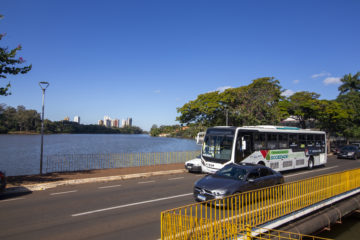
(22, 121)
(264, 102)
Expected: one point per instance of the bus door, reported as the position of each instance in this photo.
(243, 147)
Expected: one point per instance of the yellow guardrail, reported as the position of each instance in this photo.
(225, 218)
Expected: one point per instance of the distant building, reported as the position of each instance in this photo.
(115, 123)
(126, 122)
(101, 123)
(129, 122)
(77, 119)
(107, 121)
(123, 123)
(66, 119)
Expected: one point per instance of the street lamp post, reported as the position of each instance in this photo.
(43, 86)
(227, 117)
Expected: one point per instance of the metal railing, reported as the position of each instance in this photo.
(226, 218)
(252, 233)
(82, 162)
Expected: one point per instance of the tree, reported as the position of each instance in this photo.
(258, 103)
(207, 109)
(303, 106)
(254, 104)
(350, 83)
(331, 117)
(349, 98)
(10, 65)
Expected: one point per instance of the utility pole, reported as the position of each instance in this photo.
(227, 117)
(43, 86)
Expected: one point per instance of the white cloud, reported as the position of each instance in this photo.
(221, 89)
(322, 74)
(288, 93)
(332, 80)
(157, 91)
(296, 81)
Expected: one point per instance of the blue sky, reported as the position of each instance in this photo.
(143, 59)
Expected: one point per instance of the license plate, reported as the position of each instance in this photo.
(201, 197)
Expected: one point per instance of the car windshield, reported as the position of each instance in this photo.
(218, 147)
(349, 148)
(233, 172)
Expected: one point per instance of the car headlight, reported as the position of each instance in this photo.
(351, 153)
(219, 192)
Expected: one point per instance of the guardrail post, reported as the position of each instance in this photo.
(248, 232)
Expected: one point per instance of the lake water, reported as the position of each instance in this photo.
(20, 154)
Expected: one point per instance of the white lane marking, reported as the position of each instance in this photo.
(146, 182)
(14, 199)
(59, 193)
(130, 204)
(170, 179)
(311, 171)
(112, 186)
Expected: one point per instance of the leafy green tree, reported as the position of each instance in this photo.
(207, 109)
(10, 65)
(349, 97)
(254, 104)
(331, 117)
(258, 103)
(27, 120)
(303, 106)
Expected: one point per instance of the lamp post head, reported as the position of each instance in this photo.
(44, 85)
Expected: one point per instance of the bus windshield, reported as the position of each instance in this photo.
(217, 147)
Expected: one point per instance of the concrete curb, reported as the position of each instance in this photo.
(44, 186)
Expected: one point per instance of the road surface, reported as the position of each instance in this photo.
(127, 209)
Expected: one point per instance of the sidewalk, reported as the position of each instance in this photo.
(42, 182)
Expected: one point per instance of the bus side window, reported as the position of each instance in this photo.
(310, 140)
(302, 141)
(283, 141)
(318, 140)
(259, 141)
(272, 141)
(293, 141)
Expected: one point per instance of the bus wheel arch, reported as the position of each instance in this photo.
(311, 163)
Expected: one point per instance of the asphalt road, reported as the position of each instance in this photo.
(128, 209)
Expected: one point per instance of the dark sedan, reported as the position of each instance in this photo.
(235, 178)
(349, 151)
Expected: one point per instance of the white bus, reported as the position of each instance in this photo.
(278, 147)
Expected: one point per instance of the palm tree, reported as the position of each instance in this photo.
(350, 83)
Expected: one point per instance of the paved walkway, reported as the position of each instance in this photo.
(40, 182)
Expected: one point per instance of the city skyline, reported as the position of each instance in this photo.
(146, 59)
(115, 122)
